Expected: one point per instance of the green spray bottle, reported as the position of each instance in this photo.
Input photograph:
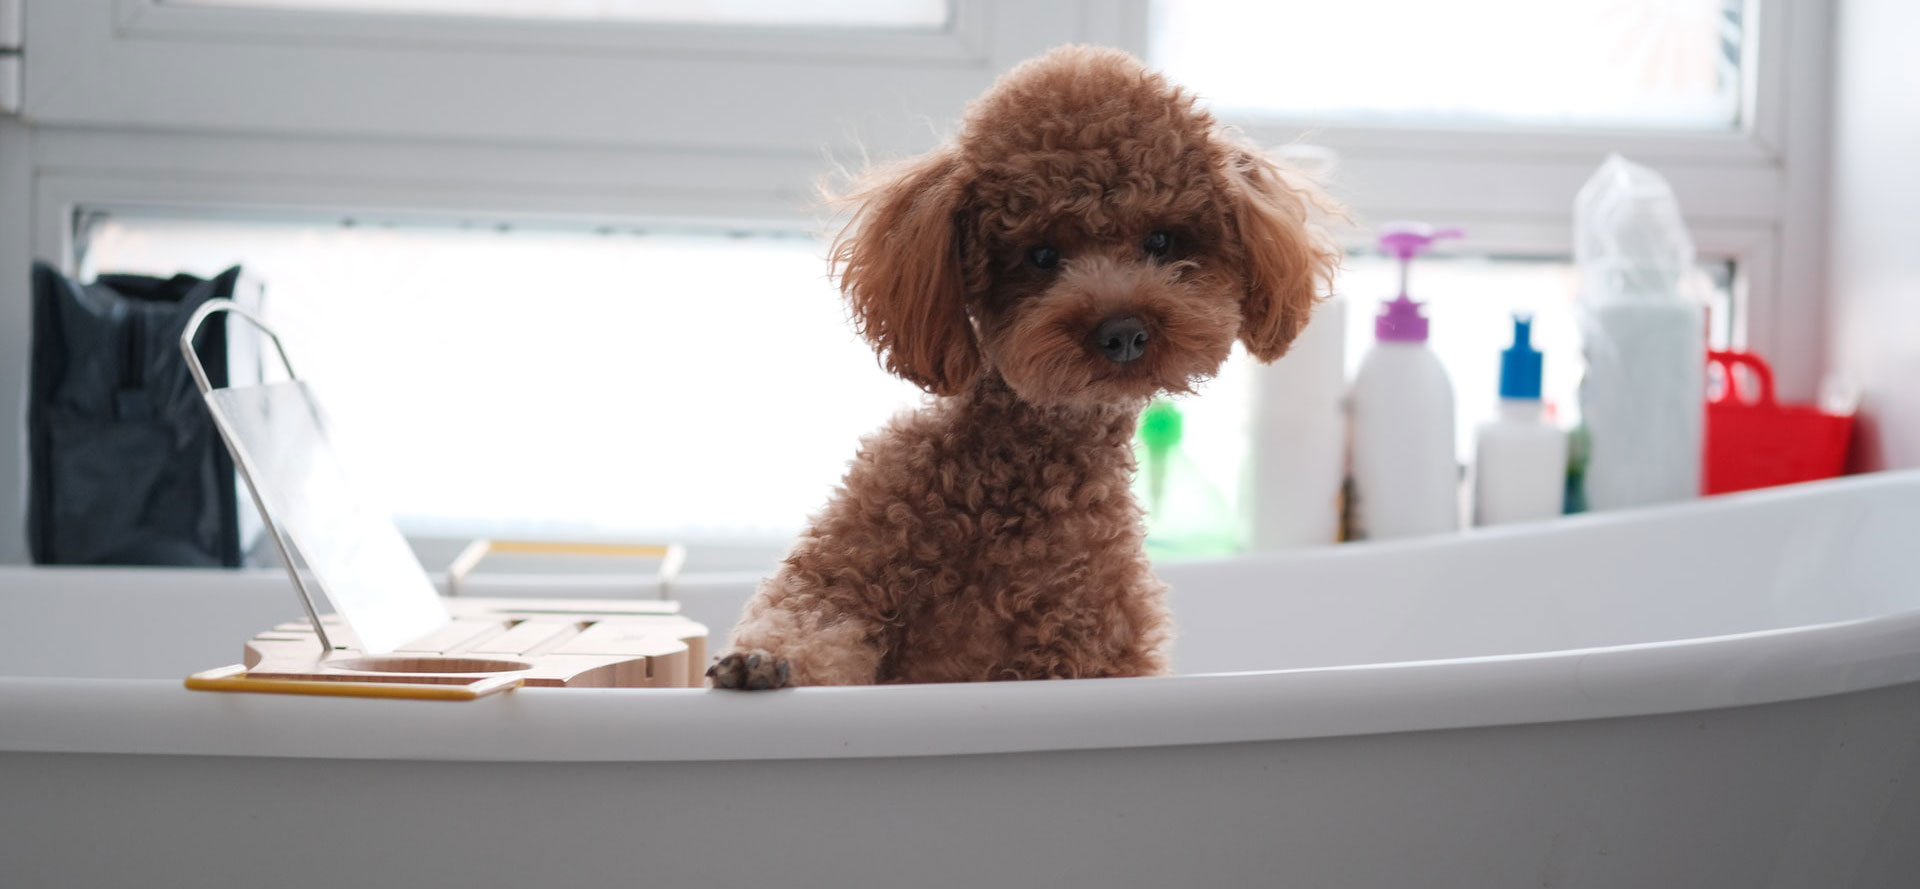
(1186, 515)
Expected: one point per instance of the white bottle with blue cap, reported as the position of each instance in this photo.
(1520, 462)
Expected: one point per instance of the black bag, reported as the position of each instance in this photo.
(127, 467)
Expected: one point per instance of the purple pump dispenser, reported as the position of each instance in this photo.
(1400, 320)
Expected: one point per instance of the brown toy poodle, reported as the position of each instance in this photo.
(1089, 239)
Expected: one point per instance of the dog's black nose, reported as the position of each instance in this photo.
(1121, 339)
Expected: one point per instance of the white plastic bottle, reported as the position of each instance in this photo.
(1643, 398)
(1520, 462)
(1406, 482)
(1300, 437)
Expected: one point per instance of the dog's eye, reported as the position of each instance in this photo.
(1043, 257)
(1159, 244)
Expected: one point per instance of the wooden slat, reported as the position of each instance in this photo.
(451, 636)
(530, 637)
(623, 637)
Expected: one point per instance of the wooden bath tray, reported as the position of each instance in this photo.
(492, 645)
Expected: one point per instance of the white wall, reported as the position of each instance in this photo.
(1874, 298)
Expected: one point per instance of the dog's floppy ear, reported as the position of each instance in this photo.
(1287, 257)
(899, 265)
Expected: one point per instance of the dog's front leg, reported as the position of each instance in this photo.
(799, 637)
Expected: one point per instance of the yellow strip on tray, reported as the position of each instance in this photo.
(557, 548)
(235, 679)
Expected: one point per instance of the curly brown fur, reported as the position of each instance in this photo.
(993, 533)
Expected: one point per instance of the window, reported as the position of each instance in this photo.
(593, 383)
(1645, 63)
(1517, 103)
(562, 119)
(1470, 300)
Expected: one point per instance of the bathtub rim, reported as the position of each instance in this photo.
(159, 717)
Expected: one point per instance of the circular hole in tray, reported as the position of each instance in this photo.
(391, 663)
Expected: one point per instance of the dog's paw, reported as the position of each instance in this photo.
(750, 671)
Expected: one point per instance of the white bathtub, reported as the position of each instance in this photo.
(1720, 694)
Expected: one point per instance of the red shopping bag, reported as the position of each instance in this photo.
(1761, 443)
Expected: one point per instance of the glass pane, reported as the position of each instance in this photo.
(896, 14)
(1470, 301)
(698, 386)
(1646, 63)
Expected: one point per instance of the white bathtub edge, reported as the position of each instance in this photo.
(161, 717)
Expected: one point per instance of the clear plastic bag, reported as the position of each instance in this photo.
(1629, 240)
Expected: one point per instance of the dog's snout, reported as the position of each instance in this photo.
(1121, 339)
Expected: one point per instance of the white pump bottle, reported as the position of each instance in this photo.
(1406, 480)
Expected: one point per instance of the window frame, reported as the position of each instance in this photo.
(154, 65)
(961, 41)
(132, 104)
